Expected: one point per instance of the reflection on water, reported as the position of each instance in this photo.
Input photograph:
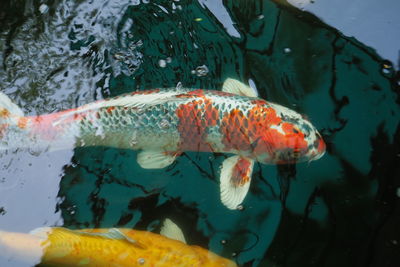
(339, 210)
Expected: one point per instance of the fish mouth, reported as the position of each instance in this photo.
(318, 156)
(320, 147)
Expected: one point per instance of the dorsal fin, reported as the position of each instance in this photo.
(171, 230)
(112, 233)
(235, 87)
(41, 232)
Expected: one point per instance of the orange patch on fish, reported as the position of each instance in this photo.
(241, 172)
(110, 110)
(50, 126)
(263, 116)
(321, 146)
(195, 93)
(222, 93)
(234, 129)
(257, 131)
(273, 140)
(4, 113)
(211, 114)
(239, 131)
(194, 119)
(22, 122)
(3, 129)
(258, 102)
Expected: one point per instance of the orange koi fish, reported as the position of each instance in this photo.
(164, 123)
(57, 246)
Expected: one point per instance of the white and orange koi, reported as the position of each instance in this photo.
(58, 246)
(164, 123)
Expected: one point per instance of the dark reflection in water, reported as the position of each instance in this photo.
(342, 210)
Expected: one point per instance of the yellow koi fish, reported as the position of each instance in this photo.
(57, 246)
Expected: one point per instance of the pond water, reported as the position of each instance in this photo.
(341, 210)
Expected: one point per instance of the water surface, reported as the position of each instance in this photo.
(342, 210)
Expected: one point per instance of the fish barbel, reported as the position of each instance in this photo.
(58, 246)
(164, 123)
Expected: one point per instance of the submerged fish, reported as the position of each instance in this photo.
(57, 246)
(164, 123)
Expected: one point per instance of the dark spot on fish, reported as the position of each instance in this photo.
(286, 155)
(306, 128)
(292, 120)
(316, 143)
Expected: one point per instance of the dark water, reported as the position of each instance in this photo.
(342, 210)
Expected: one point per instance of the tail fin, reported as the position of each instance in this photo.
(7, 107)
(22, 247)
(9, 115)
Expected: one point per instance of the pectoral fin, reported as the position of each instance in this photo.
(150, 159)
(235, 87)
(235, 180)
(171, 230)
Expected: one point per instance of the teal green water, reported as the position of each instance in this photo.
(342, 210)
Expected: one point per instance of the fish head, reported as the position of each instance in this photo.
(288, 138)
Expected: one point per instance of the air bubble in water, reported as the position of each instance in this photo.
(162, 63)
(201, 71)
(43, 8)
(179, 86)
(287, 50)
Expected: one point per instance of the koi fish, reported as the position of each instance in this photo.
(164, 123)
(57, 246)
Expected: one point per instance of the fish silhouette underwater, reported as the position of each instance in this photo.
(57, 246)
(163, 123)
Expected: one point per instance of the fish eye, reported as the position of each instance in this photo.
(305, 117)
